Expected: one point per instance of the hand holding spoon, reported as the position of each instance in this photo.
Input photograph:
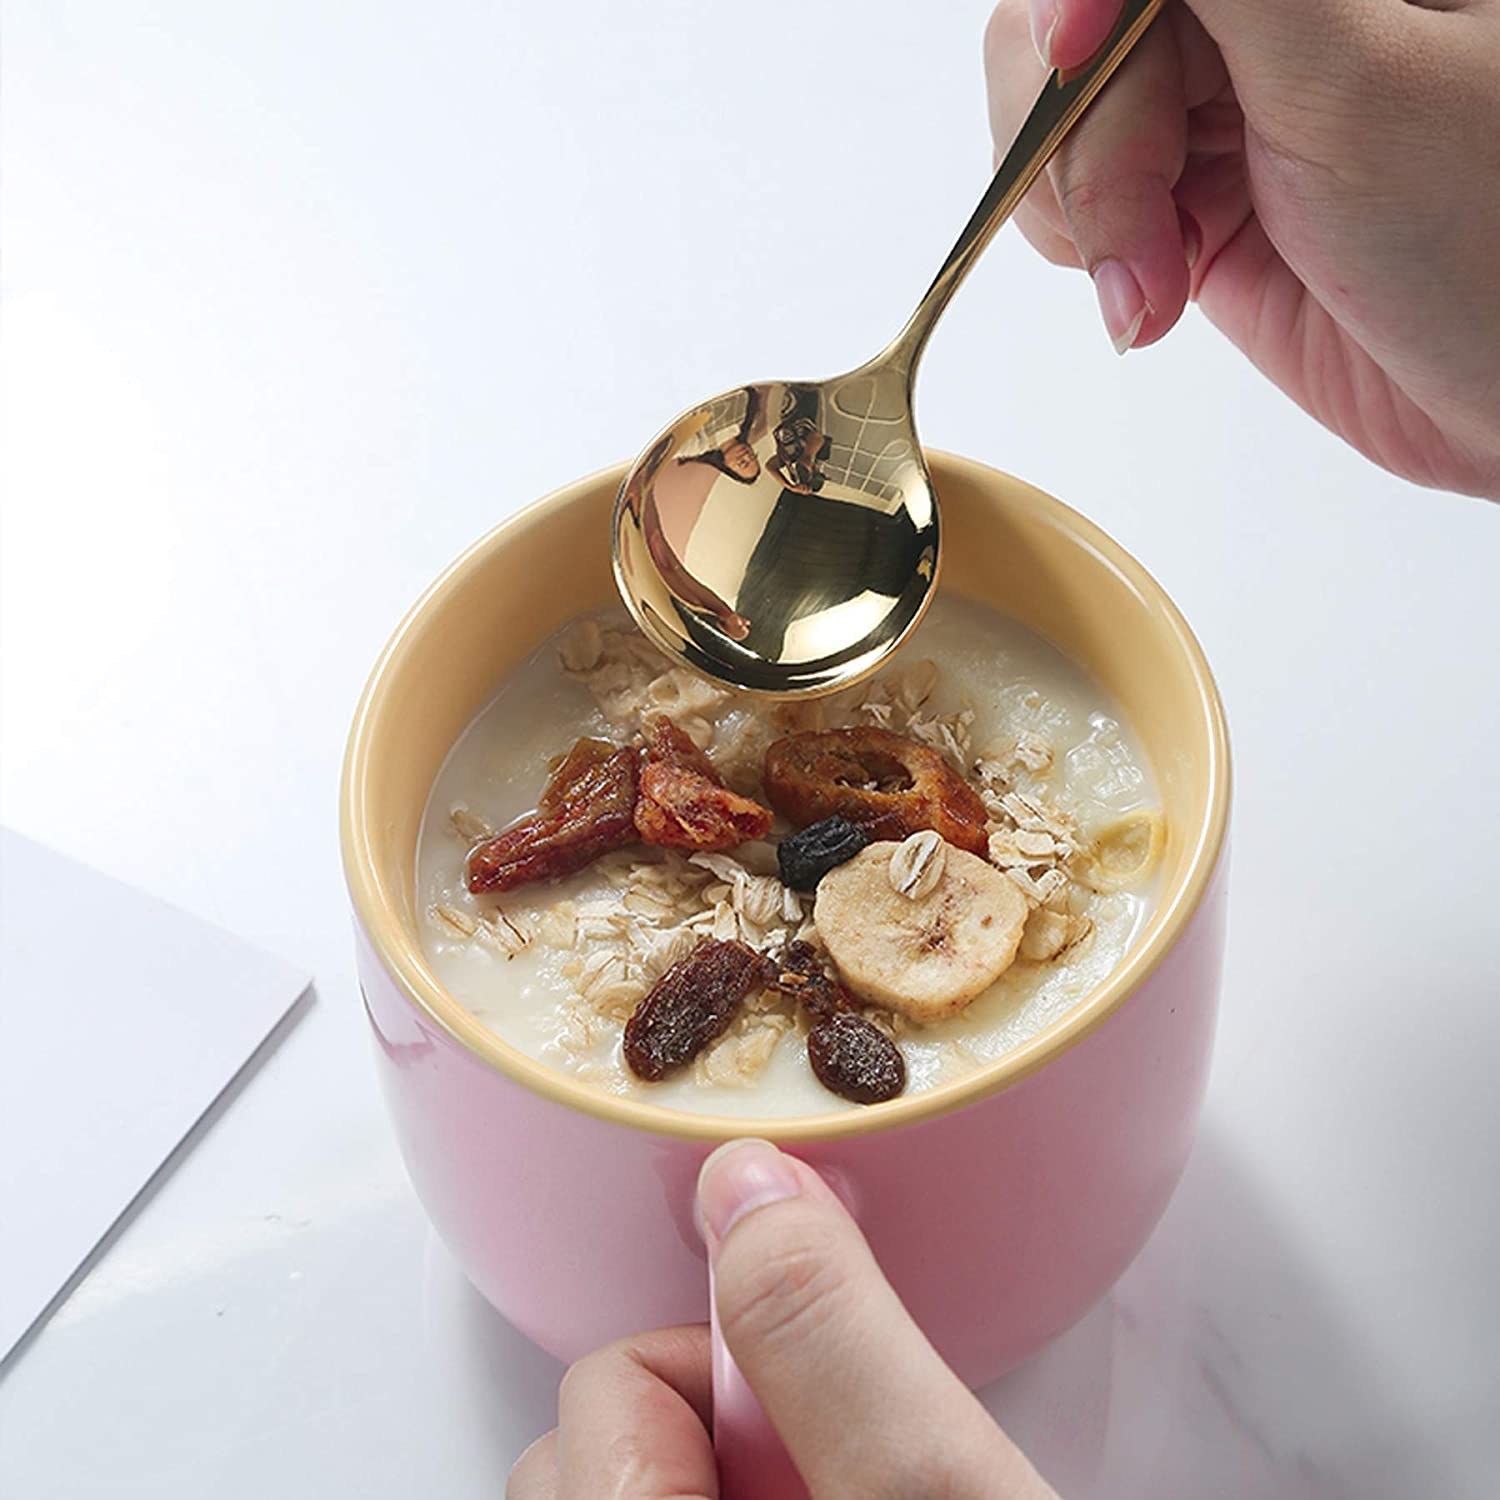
(784, 537)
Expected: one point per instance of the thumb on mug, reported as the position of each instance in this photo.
(859, 1396)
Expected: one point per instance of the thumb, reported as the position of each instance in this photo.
(860, 1398)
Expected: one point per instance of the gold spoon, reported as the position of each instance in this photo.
(784, 537)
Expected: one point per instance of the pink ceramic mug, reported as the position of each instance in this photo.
(1001, 1205)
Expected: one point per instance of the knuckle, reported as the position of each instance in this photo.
(1046, 238)
(1041, 209)
(582, 1374)
(529, 1472)
(1100, 206)
(627, 1454)
(1007, 28)
(770, 1294)
(1080, 195)
(630, 1458)
(1057, 251)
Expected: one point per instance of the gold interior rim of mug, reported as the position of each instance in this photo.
(399, 950)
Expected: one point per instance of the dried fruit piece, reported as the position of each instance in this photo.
(586, 810)
(883, 783)
(691, 1005)
(805, 858)
(669, 745)
(925, 958)
(799, 973)
(683, 803)
(574, 776)
(855, 1060)
(849, 1054)
(681, 810)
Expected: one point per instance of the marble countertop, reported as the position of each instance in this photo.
(298, 300)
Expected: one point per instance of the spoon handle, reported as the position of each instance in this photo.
(1063, 99)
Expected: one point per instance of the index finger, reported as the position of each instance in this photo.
(633, 1421)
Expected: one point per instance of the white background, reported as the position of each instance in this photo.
(299, 299)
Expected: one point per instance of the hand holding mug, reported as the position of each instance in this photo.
(859, 1396)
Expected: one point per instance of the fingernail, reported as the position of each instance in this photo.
(1192, 237)
(1043, 23)
(738, 1178)
(1121, 301)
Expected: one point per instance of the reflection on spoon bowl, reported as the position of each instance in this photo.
(783, 537)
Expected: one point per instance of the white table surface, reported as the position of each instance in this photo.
(301, 297)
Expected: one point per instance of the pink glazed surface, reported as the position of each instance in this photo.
(580, 1230)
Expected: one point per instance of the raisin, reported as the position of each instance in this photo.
(691, 1005)
(799, 973)
(849, 1055)
(855, 1060)
(587, 809)
(805, 858)
(683, 802)
(888, 786)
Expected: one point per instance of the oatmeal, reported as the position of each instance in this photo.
(731, 906)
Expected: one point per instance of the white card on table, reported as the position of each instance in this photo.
(122, 1019)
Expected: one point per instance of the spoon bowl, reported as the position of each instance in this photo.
(784, 537)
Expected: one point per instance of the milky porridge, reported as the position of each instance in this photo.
(967, 843)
